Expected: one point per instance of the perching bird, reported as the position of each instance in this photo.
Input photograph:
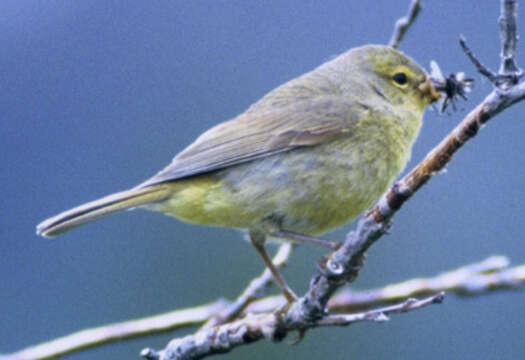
(307, 158)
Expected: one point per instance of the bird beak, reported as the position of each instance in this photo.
(428, 90)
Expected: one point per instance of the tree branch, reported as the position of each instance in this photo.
(255, 327)
(380, 314)
(508, 38)
(404, 23)
(109, 333)
(509, 73)
(482, 69)
(491, 274)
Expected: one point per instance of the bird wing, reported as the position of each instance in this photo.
(258, 133)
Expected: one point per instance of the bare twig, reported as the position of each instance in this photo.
(482, 69)
(491, 274)
(475, 279)
(380, 314)
(509, 73)
(109, 333)
(254, 289)
(404, 23)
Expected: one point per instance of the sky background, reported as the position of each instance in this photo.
(96, 96)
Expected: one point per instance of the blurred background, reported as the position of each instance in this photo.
(96, 96)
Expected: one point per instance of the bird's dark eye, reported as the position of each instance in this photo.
(400, 78)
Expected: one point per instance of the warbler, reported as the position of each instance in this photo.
(308, 157)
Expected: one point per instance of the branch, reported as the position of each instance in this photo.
(509, 73)
(508, 38)
(380, 314)
(253, 327)
(491, 274)
(109, 333)
(482, 69)
(404, 23)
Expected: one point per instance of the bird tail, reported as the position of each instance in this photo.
(101, 208)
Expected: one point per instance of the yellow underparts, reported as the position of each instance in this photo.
(308, 190)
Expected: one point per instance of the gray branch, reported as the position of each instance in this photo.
(381, 314)
(508, 37)
(482, 69)
(509, 73)
(253, 327)
(404, 23)
(491, 274)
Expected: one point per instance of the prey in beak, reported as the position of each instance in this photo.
(452, 87)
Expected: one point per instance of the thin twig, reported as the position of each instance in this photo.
(491, 274)
(482, 69)
(380, 314)
(253, 291)
(509, 73)
(113, 332)
(404, 23)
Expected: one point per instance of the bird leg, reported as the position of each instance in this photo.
(301, 238)
(273, 229)
(258, 239)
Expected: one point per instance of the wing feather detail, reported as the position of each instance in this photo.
(255, 134)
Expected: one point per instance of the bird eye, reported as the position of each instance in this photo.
(400, 78)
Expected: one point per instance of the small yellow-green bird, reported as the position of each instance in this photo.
(308, 157)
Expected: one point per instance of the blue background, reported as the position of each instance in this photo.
(96, 96)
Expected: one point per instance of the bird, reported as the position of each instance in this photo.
(307, 158)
